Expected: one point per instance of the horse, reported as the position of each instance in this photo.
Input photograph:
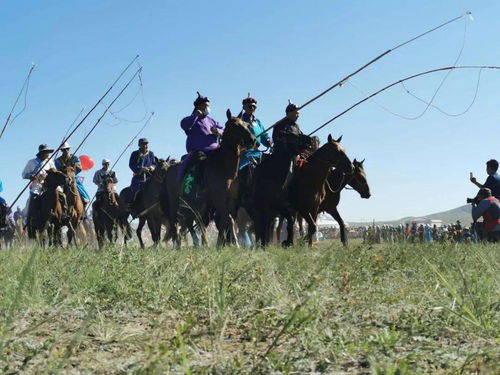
(108, 215)
(7, 228)
(148, 202)
(76, 208)
(269, 190)
(309, 188)
(45, 211)
(219, 179)
(335, 183)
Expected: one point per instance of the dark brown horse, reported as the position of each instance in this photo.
(108, 215)
(45, 211)
(335, 183)
(148, 203)
(269, 190)
(220, 185)
(309, 188)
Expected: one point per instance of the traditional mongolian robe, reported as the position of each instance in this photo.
(137, 162)
(257, 129)
(281, 128)
(199, 137)
(2, 201)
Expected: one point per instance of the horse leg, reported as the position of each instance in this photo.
(301, 225)
(311, 227)
(154, 229)
(335, 213)
(138, 231)
(127, 231)
(278, 228)
(290, 230)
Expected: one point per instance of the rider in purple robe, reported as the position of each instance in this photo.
(202, 132)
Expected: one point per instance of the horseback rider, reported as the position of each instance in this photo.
(102, 177)
(2, 201)
(202, 133)
(285, 127)
(69, 160)
(142, 163)
(257, 129)
(36, 171)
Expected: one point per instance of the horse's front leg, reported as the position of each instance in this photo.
(290, 228)
(335, 214)
(138, 231)
(311, 227)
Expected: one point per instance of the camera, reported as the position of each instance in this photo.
(473, 201)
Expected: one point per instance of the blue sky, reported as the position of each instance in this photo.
(278, 50)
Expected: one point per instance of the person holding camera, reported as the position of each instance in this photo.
(488, 207)
(493, 180)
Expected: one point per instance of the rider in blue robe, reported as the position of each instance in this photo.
(257, 129)
(2, 201)
(69, 160)
(142, 163)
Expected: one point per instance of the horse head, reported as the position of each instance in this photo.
(237, 131)
(334, 155)
(161, 168)
(358, 179)
(54, 179)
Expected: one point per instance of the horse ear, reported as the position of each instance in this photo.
(361, 162)
(330, 139)
(355, 161)
(338, 140)
(228, 114)
(240, 115)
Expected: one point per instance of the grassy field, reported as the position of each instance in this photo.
(380, 309)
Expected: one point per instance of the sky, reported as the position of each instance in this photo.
(277, 50)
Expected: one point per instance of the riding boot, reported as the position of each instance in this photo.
(64, 204)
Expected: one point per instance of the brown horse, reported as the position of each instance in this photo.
(76, 208)
(335, 183)
(45, 211)
(108, 215)
(219, 180)
(309, 188)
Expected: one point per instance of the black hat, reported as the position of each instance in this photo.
(249, 100)
(44, 148)
(200, 99)
(143, 140)
(290, 107)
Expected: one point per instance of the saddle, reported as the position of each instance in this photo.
(192, 184)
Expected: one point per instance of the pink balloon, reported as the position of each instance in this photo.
(86, 162)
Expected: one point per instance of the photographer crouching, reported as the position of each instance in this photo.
(487, 206)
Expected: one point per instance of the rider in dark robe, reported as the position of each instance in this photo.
(142, 163)
(286, 126)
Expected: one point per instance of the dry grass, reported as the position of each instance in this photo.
(384, 309)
